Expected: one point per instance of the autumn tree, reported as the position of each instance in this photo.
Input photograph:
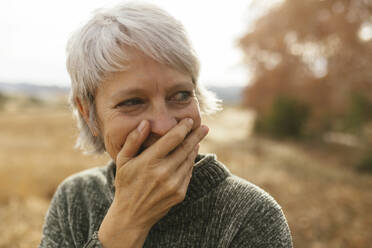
(319, 52)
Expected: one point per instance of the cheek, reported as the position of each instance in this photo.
(116, 132)
(193, 112)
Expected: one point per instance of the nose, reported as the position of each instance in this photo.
(162, 120)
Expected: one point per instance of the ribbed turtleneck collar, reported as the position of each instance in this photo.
(207, 174)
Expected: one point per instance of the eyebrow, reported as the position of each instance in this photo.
(181, 85)
(138, 91)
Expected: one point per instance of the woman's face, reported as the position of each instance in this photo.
(149, 91)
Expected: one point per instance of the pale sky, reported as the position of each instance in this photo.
(34, 34)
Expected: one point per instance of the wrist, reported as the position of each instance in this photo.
(117, 230)
(125, 238)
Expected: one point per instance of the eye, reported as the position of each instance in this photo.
(130, 102)
(181, 96)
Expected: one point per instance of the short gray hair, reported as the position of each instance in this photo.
(102, 46)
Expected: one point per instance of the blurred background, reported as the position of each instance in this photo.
(295, 78)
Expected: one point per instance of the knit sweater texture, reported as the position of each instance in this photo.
(219, 210)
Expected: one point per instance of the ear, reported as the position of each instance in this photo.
(83, 108)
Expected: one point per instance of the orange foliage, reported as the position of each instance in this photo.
(313, 51)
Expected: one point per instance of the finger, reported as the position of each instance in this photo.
(184, 173)
(181, 180)
(193, 163)
(185, 169)
(182, 176)
(183, 150)
(133, 143)
(172, 139)
(172, 185)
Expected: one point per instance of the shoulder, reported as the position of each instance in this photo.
(250, 194)
(77, 207)
(260, 219)
(262, 222)
(89, 176)
(210, 175)
(234, 189)
(247, 201)
(86, 184)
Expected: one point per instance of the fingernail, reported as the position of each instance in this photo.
(205, 128)
(142, 125)
(189, 120)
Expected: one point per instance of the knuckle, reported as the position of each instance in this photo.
(180, 194)
(186, 129)
(200, 133)
(160, 175)
(188, 125)
(189, 156)
(193, 152)
(183, 149)
(131, 138)
(187, 162)
(178, 136)
(190, 175)
(170, 186)
(175, 138)
(188, 146)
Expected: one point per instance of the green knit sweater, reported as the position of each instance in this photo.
(220, 210)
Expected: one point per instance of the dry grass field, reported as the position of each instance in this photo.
(327, 204)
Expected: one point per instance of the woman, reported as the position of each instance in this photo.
(136, 96)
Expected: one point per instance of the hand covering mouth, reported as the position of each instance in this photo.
(148, 142)
(151, 139)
